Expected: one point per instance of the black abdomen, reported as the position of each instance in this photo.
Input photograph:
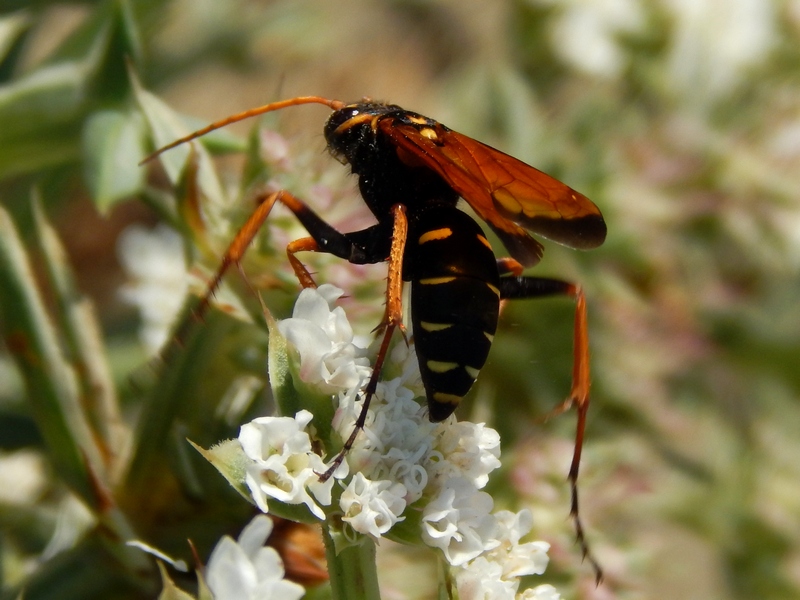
(455, 303)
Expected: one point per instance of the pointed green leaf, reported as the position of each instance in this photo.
(12, 26)
(170, 591)
(113, 141)
(165, 127)
(228, 458)
(203, 593)
(83, 338)
(45, 98)
(51, 384)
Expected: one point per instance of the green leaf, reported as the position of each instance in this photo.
(191, 378)
(83, 338)
(42, 112)
(36, 153)
(12, 26)
(41, 115)
(203, 593)
(166, 126)
(51, 383)
(36, 111)
(170, 591)
(228, 458)
(113, 141)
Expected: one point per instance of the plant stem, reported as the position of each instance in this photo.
(353, 571)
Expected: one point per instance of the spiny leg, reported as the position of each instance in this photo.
(233, 255)
(536, 287)
(393, 317)
(324, 238)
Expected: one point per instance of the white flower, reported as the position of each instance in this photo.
(283, 465)
(248, 570)
(396, 441)
(540, 592)
(372, 507)
(469, 450)
(483, 581)
(329, 360)
(517, 559)
(154, 260)
(496, 572)
(458, 521)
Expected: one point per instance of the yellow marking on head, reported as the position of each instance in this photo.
(435, 234)
(494, 289)
(472, 371)
(437, 280)
(431, 327)
(429, 133)
(489, 337)
(484, 241)
(417, 119)
(438, 366)
(353, 122)
(446, 398)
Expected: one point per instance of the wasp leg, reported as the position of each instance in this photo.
(393, 318)
(306, 244)
(516, 287)
(233, 255)
(510, 265)
(353, 247)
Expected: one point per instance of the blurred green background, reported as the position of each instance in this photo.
(679, 118)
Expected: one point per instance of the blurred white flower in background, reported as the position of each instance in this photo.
(155, 263)
(711, 43)
(715, 42)
(586, 33)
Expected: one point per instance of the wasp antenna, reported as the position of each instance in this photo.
(252, 112)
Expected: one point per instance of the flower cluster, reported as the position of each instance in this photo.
(400, 459)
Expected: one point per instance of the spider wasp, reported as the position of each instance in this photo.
(411, 172)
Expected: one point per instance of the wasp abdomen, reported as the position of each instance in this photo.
(454, 303)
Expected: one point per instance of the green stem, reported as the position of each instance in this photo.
(353, 571)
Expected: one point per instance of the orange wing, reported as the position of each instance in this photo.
(505, 192)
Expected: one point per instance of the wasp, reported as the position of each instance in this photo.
(411, 172)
